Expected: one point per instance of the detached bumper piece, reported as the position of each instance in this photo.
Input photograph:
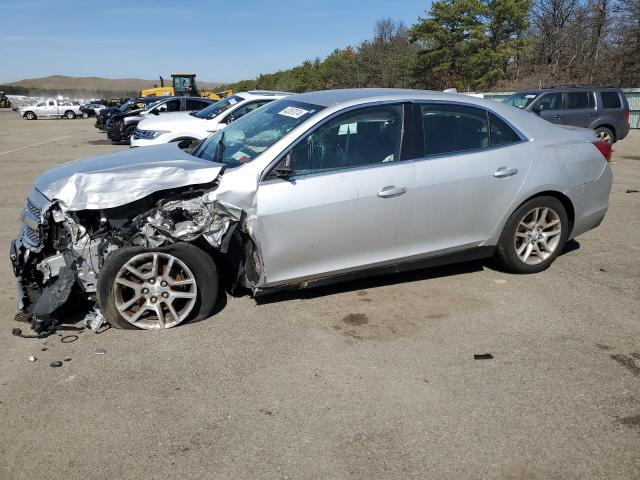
(39, 302)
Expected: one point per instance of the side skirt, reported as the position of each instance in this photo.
(476, 253)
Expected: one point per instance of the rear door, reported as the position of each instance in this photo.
(580, 108)
(472, 168)
(346, 207)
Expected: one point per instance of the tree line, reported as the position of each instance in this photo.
(483, 45)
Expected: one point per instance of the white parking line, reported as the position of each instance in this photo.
(34, 145)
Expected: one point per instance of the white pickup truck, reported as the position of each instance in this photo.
(51, 108)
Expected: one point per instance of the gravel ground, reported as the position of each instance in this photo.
(368, 379)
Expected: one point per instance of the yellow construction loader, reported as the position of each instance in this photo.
(182, 84)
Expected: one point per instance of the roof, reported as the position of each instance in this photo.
(563, 88)
(364, 95)
(529, 124)
(261, 94)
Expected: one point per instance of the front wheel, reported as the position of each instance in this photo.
(534, 236)
(85, 115)
(30, 116)
(128, 133)
(159, 288)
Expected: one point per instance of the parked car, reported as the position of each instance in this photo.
(311, 189)
(51, 108)
(605, 110)
(198, 125)
(122, 125)
(131, 104)
(91, 109)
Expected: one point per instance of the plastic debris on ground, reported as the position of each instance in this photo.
(483, 356)
(94, 319)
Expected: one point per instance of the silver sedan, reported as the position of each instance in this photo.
(314, 188)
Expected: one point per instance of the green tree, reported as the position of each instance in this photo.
(506, 23)
(450, 39)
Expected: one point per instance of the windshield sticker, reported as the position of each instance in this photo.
(529, 96)
(240, 156)
(293, 112)
(233, 101)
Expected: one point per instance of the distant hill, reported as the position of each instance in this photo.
(92, 86)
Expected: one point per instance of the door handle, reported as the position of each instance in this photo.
(504, 172)
(391, 191)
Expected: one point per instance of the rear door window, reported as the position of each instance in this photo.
(453, 128)
(191, 104)
(610, 100)
(501, 133)
(577, 100)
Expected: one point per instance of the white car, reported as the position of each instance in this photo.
(179, 126)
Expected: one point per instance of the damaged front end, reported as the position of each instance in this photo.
(53, 255)
(60, 253)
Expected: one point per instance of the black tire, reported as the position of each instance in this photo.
(605, 134)
(506, 249)
(69, 114)
(85, 115)
(30, 116)
(128, 133)
(198, 261)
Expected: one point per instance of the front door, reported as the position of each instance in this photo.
(552, 108)
(346, 205)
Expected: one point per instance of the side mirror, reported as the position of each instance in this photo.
(537, 108)
(284, 170)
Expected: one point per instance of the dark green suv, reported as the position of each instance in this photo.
(603, 109)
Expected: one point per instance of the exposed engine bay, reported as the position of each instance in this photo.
(61, 252)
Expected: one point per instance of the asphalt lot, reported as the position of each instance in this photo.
(298, 387)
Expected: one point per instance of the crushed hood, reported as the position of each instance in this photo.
(113, 180)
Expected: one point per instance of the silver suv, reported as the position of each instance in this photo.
(603, 109)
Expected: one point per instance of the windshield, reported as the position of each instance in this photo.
(218, 107)
(249, 136)
(521, 100)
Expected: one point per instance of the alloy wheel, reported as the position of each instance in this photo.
(605, 136)
(538, 235)
(155, 290)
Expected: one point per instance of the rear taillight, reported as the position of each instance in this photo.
(605, 149)
(628, 116)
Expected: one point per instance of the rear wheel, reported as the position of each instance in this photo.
(534, 236)
(85, 115)
(157, 289)
(69, 114)
(605, 134)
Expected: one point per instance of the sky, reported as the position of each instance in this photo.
(218, 40)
